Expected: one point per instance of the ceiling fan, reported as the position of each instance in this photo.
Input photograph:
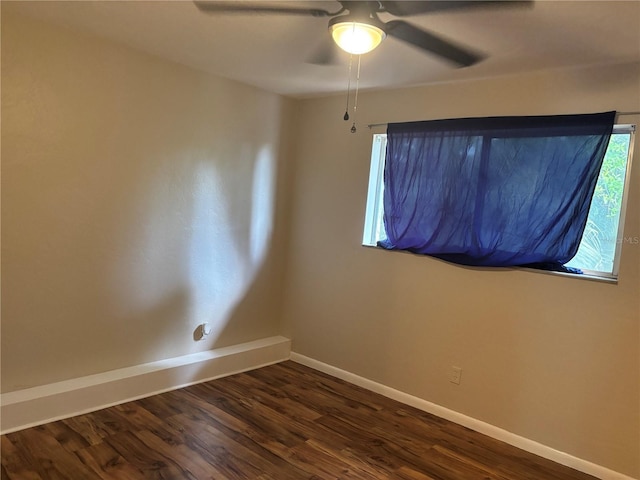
(356, 27)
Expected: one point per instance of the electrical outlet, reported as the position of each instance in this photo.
(456, 373)
(206, 329)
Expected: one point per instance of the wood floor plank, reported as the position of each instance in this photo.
(14, 464)
(88, 427)
(68, 438)
(263, 422)
(165, 405)
(181, 454)
(354, 463)
(215, 421)
(272, 397)
(234, 459)
(406, 473)
(257, 416)
(152, 463)
(281, 422)
(106, 463)
(322, 464)
(46, 456)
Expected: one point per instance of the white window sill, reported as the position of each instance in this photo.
(592, 276)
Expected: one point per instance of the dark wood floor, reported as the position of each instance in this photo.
(280, 422)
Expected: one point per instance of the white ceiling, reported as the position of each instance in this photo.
(272, 51)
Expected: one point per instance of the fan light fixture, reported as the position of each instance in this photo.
(355, 37)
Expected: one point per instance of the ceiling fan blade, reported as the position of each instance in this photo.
(431, 43)
(406, 8)
(257, 7)
(327, 53)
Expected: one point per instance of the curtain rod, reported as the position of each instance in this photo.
(618, 114)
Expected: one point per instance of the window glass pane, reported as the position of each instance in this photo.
(373, 223)
(598, 246)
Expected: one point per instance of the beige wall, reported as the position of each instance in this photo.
(138, 200)
(550, 358)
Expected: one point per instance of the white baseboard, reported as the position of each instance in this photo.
(35, 406)
(492, 431)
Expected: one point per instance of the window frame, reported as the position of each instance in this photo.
(375, 195)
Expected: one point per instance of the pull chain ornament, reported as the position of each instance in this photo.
(355, 102)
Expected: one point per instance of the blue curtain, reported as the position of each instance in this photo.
(498, 191)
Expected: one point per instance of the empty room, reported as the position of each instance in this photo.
(320, 240)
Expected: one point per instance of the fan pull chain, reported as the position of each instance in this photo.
(346, 111)
(355, 101)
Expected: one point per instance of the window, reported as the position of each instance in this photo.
(602, 240)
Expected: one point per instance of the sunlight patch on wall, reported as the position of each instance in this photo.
(262, 206)
(227, 249)
(197, 236)
(217, 277)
